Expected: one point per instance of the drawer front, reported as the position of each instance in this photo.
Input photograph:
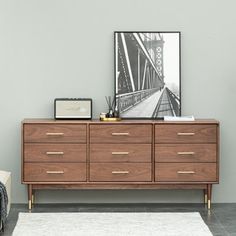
(185, 133)
(121, 133)
(54, 133)
(185, 153)
(58, 172)
(185, 172)
(36, 152)
(120, 153)
(122, 172)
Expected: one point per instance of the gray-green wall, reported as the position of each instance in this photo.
(64, 48)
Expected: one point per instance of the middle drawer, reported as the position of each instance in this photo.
(36, 152)
(121, 133)
(120, 153)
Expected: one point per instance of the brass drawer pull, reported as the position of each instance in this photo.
(185, 153)
(55, 153)
(120, 172)
(186, 172)
(186, 134)
(120, 134)
(54, 134)
(120, 153)
(55, 172)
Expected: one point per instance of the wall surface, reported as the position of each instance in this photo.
(61, 48)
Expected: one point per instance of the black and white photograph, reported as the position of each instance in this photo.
(147, 74)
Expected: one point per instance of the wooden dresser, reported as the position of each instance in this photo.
(130, 154)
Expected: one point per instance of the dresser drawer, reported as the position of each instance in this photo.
(50, 172)
(54, 133)
(123, 172)
(120, 153)
(37, 152)
(185, 153)
(127, 133)
(185, 172)
(185, 133)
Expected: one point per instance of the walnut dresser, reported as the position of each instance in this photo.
(130, 154)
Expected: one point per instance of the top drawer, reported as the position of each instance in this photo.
(58, 133)
(185, 133)
(127, 133)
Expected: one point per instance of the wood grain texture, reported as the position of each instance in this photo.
(127, 133)
(179, 133)
(105, 172)
(38, 172)
(69, 133)
(120, 153)
(169, 172)
(185, 152)
(54, 152)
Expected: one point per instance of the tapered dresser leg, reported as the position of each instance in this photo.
(30, 196)
(205, 196)
(209, 190)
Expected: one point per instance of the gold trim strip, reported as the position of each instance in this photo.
(55, 172)
(185, 134)
(186, 172)
(54, 134)
(185, 153)
(120, 172)
(120, 134)
(54, 153)
(120, 153)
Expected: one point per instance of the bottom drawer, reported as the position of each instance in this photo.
(185, 172)
(51, 172)
(120, 172)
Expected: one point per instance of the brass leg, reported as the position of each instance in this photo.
(209, 190)
(30, 196)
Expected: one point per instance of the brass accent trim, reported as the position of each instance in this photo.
(120, 172)
(32, 198)
(185, 134)
(55, 153)
(54, 134)
(120, 134)
(185, 153)
(30, 205)
(209, 204)
(186, 172)
(205, 198)
(120, 153)
(55, 172)
(110, 119)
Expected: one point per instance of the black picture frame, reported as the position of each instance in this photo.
(142, 93)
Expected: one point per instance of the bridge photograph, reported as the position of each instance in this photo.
(147, 74)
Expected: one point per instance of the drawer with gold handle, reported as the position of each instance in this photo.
(120, 172)
(120, 153)
(185, 153)
(37, 152)
(185, 172)
(50, 172)
(185, 133)
(58, 133)
(121, 133)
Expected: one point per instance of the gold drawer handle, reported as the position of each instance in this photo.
(54, 134)
(55, 153)
(185, 153)
(186, 172)
(186, 134)
(120, 172)
(120, 153)
(55, 172)
(120, 134)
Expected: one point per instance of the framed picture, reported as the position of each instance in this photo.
(147, 74)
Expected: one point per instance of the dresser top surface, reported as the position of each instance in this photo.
(124, 121)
